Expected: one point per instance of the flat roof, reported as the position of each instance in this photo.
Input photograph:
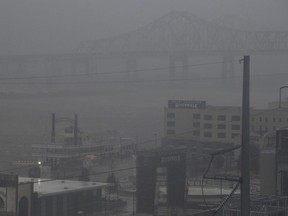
(208, 191)
(48, 187)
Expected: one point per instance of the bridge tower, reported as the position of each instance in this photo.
(228, 69)
(181, 58)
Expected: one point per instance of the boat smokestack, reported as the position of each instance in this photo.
(53, 128)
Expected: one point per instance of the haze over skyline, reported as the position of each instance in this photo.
(57, 26)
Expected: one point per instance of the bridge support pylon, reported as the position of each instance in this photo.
(173, 60)
(228, 69)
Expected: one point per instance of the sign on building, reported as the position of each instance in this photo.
(186, 104)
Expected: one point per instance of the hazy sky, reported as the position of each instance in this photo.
(47, 26)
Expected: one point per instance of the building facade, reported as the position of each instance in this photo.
(205, 129)
(274, 163)
(22, 196)
(198, 121)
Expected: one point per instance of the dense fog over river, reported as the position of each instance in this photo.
(133, 108)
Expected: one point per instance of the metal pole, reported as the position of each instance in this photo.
(280, 90)
(133, 203)
(245, 157)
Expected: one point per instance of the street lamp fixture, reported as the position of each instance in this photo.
(280, 90)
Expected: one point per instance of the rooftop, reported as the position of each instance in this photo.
(207, 191)
(48, 187)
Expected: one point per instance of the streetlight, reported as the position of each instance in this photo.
(280, 94)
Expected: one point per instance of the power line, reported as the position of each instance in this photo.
(77, 176)
(99, 81)
(107, 73)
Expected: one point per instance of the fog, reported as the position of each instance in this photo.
(133, 109)
(34, 26)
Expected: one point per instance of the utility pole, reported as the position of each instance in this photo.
(245, 152)
(280, 95)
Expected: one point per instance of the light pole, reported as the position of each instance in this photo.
(245, 151)
(280, 94)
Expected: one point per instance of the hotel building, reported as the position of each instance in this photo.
(205, 123)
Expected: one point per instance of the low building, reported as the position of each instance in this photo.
(46, 197)
(213, 195)
(274, 163)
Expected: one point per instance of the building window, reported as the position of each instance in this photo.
(196, 116)
(260, 128)
(170, 132)
(234, 135)
(207, 126)
(266, 119)
(196, 124)
(274, 119)
(207, 134)
(196, 133)
(235, 127)
(170, 115)
(221, 135)
(170, 124)
(260, 119)
(235, 118)
(274, 128)
(207, 117)
(221, 126)
(221, 118)
(279, 120)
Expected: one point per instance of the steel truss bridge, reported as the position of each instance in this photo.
(177, 36)
(185, 33)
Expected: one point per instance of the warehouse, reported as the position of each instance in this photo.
(45, 197)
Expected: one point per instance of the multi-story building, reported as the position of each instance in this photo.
(204, 129)
(199, 121)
